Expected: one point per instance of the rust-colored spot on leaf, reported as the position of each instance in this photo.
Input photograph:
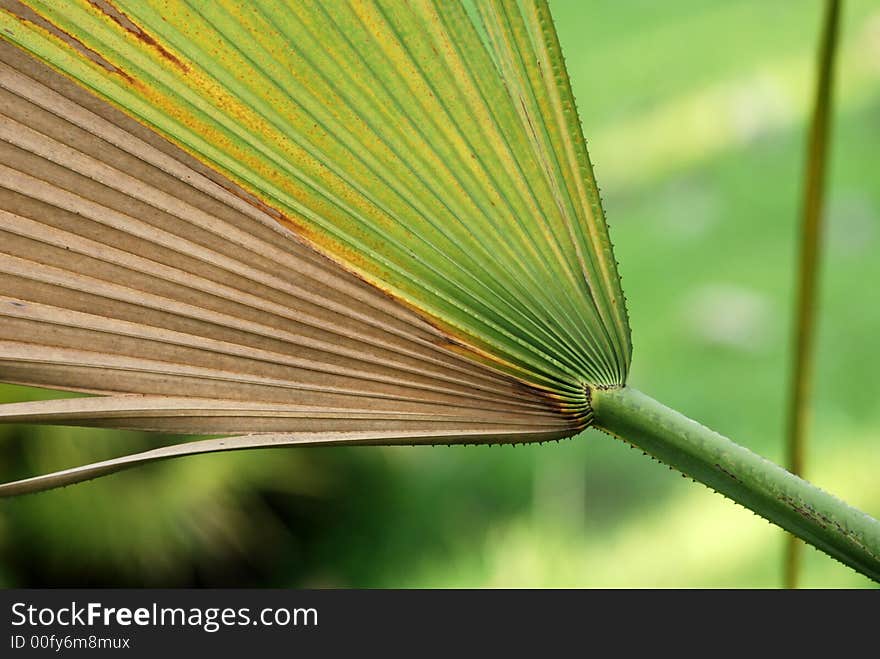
(28, 15)
(120, 18)
(252, 200)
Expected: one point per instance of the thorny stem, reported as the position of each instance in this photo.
(811, 235)
(847, 534)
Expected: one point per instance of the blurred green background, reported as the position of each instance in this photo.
(694, 112)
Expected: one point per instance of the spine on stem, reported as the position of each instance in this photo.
(824, 521)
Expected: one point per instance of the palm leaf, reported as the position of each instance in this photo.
(366, 223)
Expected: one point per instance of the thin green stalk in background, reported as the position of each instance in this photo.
(811, 235)
(850, 536)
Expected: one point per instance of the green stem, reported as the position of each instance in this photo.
(847, 534)
(808, 266)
